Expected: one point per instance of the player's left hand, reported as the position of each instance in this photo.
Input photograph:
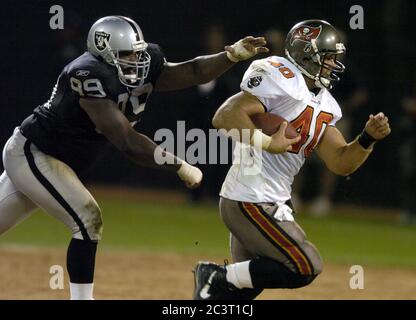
(246, 48)
(378, 126)
(191, 175)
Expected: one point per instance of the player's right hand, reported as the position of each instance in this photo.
(280, 143)
(191, 175)
(378, 126)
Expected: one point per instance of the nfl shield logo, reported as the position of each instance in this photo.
(99, 38)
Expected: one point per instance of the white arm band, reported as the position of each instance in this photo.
(230, 56)
(189, 173)
(240, 52)
(260, 140)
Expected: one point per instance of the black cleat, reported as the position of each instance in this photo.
(210, 282)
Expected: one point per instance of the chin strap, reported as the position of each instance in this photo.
(320, 82)
(306, 73)
(323, 83)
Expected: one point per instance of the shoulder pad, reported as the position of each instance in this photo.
(280, 77)
(157, 61)
(90, 77)
(155, 50)
(332, 103)
(89, 66)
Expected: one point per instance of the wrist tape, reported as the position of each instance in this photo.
(260, 140)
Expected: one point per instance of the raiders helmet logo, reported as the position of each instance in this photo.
(305, 34)
(99, 38)
(254, 82)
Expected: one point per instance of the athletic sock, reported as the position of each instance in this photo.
(81, 291)
(238, 274)
(268, 273)
(80, 265)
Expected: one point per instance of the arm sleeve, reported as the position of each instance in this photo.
(336, 118)
(335, 110)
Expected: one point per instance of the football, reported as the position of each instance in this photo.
(270, 123)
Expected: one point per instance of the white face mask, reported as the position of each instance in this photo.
(137, 71)
(133, 73)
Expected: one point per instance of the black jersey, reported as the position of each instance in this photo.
(62, 129)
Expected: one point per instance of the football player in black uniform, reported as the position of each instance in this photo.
(97, 99)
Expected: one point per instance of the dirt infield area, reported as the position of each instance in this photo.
(24, 274)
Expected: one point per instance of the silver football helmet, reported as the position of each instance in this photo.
(112, 36)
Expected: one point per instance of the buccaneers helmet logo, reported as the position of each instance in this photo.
(305, 34)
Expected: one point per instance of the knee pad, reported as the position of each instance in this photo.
(94, 223)
(91, 219)
(318, 267)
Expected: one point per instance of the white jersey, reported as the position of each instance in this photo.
(281, 88)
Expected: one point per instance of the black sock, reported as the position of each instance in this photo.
(81, 260)
(268, 273)
(247, 294)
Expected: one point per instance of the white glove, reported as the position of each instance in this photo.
(190, 174)
(246, 48)
(284, 213)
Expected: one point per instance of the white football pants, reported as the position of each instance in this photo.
(33, 179)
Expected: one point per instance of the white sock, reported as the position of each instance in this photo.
(238, 274)
(81, 291)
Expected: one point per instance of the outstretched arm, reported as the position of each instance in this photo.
(203, 69)
(112, 123)
(344, 158)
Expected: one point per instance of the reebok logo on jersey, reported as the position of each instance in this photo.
(82, 73)
(254, 82)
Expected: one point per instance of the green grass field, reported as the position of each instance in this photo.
(198, 230)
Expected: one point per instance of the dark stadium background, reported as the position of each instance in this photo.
(384, 52)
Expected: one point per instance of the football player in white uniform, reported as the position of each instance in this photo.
(269, 249)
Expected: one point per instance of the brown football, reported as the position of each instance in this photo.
(270, 123)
